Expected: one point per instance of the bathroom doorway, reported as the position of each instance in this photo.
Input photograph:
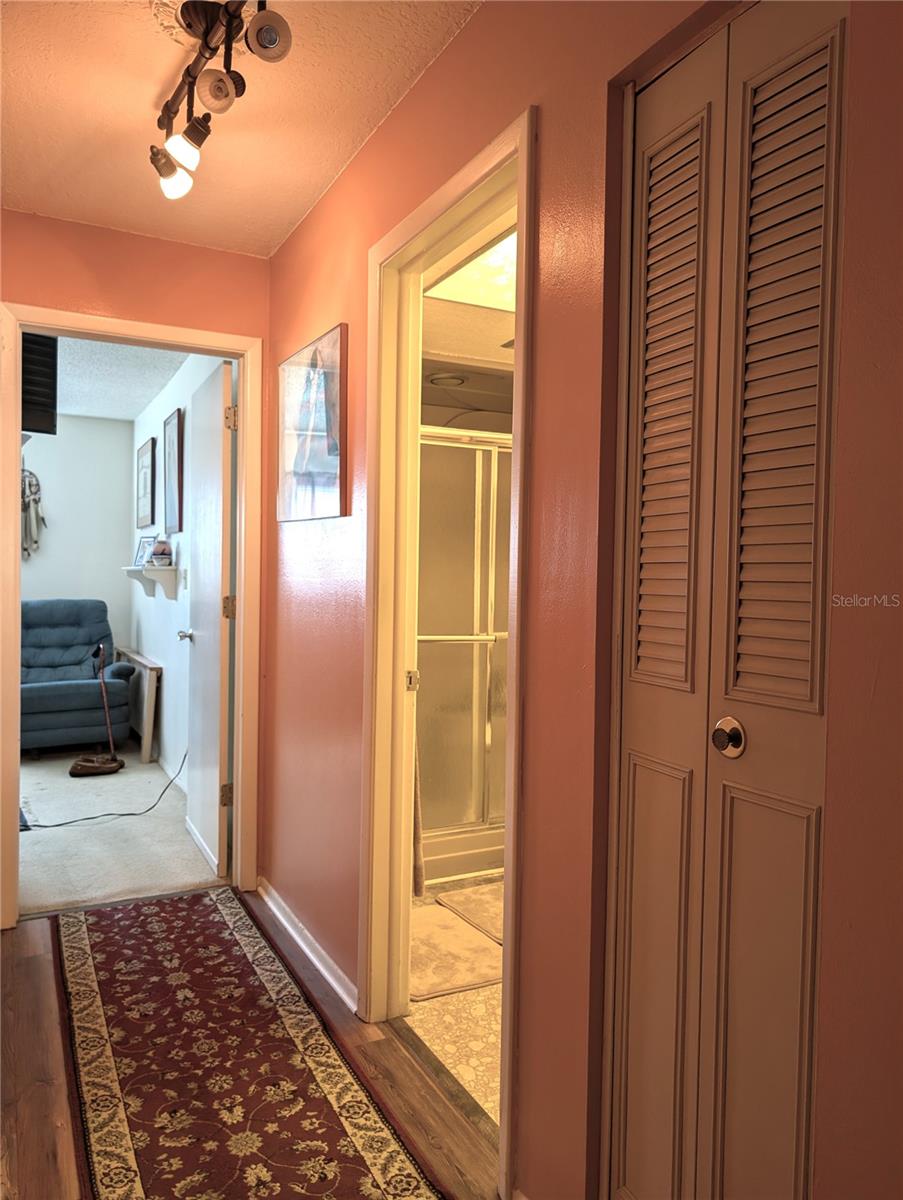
(467, 394)
(449, 352)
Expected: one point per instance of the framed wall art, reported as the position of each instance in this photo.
(313, 386)
(143, 552)
(145, 484)
(172, 472)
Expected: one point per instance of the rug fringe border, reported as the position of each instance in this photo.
(87, 1184)
(383, 1107)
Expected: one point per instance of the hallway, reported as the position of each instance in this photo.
(550, 532)
(42, 1156)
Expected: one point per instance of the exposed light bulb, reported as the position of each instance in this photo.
(185, 147)
(177, 185)
(182, 151)
(175, 182)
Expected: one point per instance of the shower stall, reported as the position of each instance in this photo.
(462, 638)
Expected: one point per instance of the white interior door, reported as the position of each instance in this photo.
(209, 472)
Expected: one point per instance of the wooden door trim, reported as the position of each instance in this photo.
(247, 515)
(622, 336)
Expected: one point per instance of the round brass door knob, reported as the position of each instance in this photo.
(729, 737)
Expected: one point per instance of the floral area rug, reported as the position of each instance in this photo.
(203, 1072)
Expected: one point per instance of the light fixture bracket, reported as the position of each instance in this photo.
(199, 17)
(162, 162)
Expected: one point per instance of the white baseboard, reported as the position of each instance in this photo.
(330, 970)
(202, 846)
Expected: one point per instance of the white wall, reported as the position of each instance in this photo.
(156, 619)
(87, 483)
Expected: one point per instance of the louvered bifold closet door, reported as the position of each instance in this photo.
(672, 210)
(775, 381)
(675, 280)
(768, 606)
(783, 431)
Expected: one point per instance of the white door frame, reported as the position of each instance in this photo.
(14, 318)
(481, 198)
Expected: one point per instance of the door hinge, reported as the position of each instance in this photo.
(225, 795)
(411, 681)
(229, 607)
(231, 417)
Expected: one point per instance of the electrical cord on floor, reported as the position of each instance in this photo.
(99, 816)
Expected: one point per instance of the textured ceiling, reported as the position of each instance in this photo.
(467, 333)
(82, 84)
(106, 379)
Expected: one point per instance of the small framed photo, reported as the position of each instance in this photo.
(172, 472)
(313, 387)
(145, 484)
(143, 553)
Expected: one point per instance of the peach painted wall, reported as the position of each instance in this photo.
(558, 56)
(859, 1036)
(87, 269)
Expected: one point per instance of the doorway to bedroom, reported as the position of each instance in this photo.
(127, 577)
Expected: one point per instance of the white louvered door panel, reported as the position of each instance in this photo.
(776, 563)
(675, 306)
(764, 809)
(671, 177)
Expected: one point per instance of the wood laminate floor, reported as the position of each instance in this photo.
(37, 1152)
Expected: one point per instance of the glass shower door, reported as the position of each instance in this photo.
(465, 485)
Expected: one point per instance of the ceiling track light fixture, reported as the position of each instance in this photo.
(215, 25)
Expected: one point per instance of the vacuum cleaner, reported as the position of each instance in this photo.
(99, 764)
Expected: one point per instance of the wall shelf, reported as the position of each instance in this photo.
(149, 577)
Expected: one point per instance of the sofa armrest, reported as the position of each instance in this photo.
(118, 670)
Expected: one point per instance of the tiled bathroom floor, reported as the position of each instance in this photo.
(464, 1030)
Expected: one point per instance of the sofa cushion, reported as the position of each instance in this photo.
(59, 637)
(74, 718)
(66, 694)
(81, 735)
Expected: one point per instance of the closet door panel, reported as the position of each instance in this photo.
(658, 817)
(765, 960)
(768, 603)
(678, 169)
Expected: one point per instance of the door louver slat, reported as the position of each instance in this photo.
(667, 387)
(780, 425)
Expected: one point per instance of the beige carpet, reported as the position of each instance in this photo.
(482, 906)
(448, 954)
(464, 1031)
(109, 859)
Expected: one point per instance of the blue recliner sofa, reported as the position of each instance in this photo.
(61, 700)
